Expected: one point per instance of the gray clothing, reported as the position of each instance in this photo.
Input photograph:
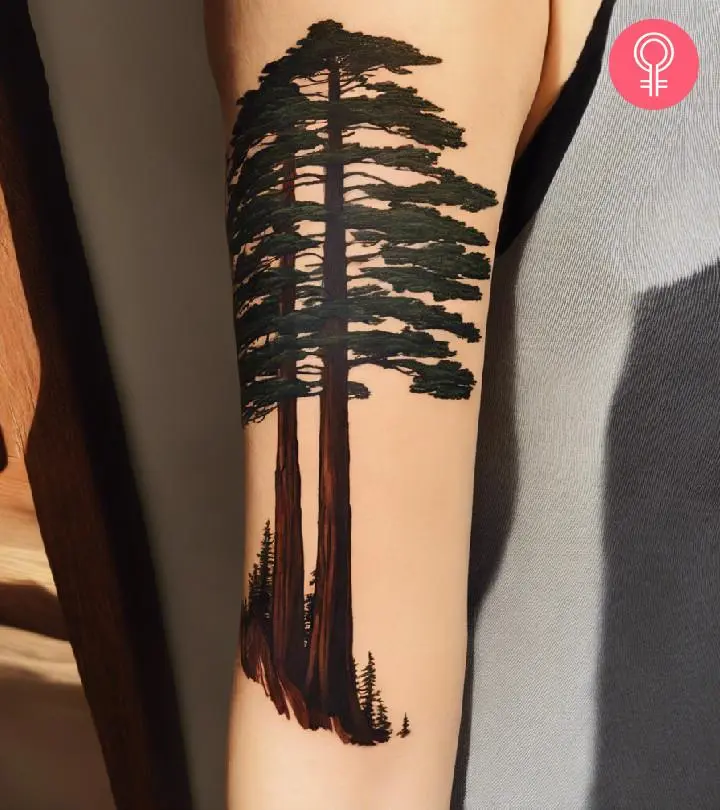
(594, 677)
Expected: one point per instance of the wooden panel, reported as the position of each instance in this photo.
(27, 591)
(76, 452)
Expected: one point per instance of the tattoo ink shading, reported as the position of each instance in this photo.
(317, 288)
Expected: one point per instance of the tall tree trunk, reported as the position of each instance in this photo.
(288, 609)
(331, 689)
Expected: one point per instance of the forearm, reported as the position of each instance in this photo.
(361, 219)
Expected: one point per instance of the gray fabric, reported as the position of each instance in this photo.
(595, 677)
(659, 687)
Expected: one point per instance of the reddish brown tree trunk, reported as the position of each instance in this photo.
(288, 618)
(331, 689)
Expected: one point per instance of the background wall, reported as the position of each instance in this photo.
(141, 132)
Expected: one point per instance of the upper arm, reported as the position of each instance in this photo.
(367, 168)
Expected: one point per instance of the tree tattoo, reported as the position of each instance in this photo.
(320, 290)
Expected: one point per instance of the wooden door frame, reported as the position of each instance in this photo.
(78, 460)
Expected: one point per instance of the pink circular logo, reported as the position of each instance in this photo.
(654, 64)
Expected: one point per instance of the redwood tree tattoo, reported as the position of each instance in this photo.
(306, 275)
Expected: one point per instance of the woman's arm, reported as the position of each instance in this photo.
(368, 159)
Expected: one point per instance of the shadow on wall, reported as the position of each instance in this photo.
(49, 754)
(659, 735)
(31, 607)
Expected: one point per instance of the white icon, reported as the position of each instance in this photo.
(654, 84)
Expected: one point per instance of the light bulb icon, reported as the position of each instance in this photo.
(655, 65)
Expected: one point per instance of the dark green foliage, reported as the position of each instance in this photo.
(371, 701)
(405, 728)
(382, 725)
(360, 55)
(400, 248)
(367, 691)
(260, 580)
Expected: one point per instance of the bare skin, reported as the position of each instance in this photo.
(570, 22)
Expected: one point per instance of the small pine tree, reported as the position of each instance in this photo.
(366, 691)
(309, 610)
(260, 579)
(266, 562)
(254, 585)
(382, 725)
(405, 729)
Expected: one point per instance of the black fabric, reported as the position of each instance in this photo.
(534, 170)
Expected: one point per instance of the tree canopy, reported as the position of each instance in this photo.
(400, 249)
